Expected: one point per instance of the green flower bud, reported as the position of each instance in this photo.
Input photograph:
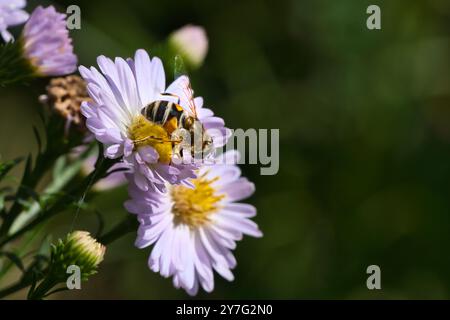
(79, 249)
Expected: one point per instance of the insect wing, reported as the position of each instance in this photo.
(181, 88)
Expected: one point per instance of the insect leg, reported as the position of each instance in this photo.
(157, 139)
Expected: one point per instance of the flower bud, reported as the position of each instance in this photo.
(46, 43)
(192, 43)
(79, 249)
(64, 96)
(43, 49)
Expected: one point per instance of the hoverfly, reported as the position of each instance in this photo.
(182, 125)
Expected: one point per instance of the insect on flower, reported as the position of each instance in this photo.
(182, 125)
(149, 145)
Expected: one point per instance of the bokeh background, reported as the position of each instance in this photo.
(364, 119)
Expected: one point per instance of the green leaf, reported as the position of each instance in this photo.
(44, 249)
(55, 291)
(30, 193)
(5, 167)
(59, 167)
(37, 268)
(14, 67)
(28, 168)
(101, 223)
(14, 259)
(33, 284)
(38, 138)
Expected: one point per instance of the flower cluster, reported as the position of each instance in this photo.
(186, 209)
(161, 138)
(120, 92)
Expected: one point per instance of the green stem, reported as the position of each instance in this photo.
(43, 163)
(20, 251)
(45, 216)
(60, 204)
(22, 284)
(129, 224)
(57, 144)
(54, 187)
(44, 287)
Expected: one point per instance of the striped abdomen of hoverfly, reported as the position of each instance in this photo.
(186, 132)
(168, 114)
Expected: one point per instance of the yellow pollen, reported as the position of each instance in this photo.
(146, 133)
(194, 207)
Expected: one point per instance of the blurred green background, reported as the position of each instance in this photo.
(364, 119)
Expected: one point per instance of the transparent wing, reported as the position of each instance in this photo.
(182, 89)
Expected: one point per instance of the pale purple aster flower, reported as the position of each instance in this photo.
(195, 230)
(119, 93)
(11, 14)
(46, 43)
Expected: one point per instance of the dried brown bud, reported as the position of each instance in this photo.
(65, 95)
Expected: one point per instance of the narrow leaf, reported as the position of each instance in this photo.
(14, 259)
(38, 138)
(5, 167)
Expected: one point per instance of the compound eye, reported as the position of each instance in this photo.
(189, 122)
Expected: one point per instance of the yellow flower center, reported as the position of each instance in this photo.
(194, 207)
(146, 133)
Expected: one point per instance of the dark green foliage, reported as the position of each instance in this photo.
(14, 67)
(5, 167)
(14, 259)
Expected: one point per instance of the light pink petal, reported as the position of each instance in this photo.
(143, 69)
(238, 190)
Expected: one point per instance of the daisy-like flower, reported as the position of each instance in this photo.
(119, 93)
(195, 230)
(46, 43)
(11, 14)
